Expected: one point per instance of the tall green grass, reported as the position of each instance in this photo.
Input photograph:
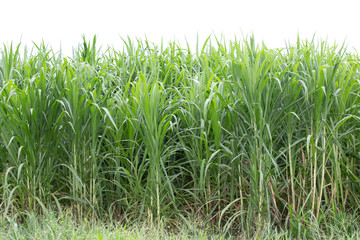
(236, 134)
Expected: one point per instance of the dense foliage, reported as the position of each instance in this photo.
(234, 134)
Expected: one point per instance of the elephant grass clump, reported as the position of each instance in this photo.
(235, 135)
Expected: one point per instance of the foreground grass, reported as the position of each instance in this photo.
(66, 227)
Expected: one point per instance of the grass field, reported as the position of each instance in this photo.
(231, 138)
(63, 227)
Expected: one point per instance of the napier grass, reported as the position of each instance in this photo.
(232, 137)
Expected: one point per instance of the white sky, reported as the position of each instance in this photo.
(274, 22)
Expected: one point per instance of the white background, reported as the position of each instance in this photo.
(62, 23)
